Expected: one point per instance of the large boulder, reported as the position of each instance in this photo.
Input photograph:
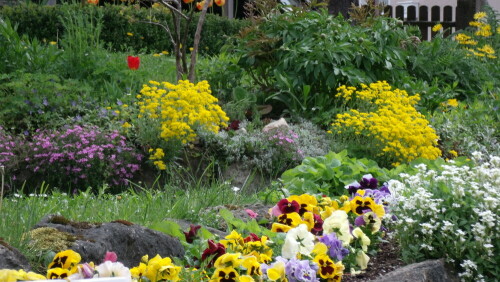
(426, 271)
(129, 241)
(11, 258)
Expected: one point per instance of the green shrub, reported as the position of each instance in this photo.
(470, 126)
(299, 58)
(42, 22)
(329, 174)
(33, 101)
(20, 52)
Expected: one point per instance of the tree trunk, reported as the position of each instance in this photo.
(196, 43)
(341, 6)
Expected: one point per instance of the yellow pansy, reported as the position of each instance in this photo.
(232, 260)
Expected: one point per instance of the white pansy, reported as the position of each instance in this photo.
(298, 240)
(112, 269)
(338, 222)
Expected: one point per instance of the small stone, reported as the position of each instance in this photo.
(275, 124)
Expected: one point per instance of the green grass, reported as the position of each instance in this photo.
(146, 207)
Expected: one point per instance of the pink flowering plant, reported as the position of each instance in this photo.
(79, 156)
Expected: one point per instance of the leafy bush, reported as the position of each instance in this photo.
(469, 126)
(299, 58)
(224, 75)
(385, 124)
(20, 53)
(43, 22)
(32, 101)
(329, 174)
(451, 211)
(76, 157)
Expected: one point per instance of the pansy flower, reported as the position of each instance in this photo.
(369, 219)
(277, 271)
(253, 266)
(329, 269)
(291, 219)
(280, 228)
(191, 234)
(369, 182)
(335, 248)
(286, 206)
(361, 236)
(227, 274)
(57, 273)
(66, 259)
(215, 249)
(360, 205)
(298, 241)
(307, 202)
(228, 260)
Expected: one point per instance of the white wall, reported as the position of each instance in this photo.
(495, 4)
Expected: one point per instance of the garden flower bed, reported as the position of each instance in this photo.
(371, 148)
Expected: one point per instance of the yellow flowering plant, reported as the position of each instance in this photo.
(481, 41)
(168, 116)
(385, 121)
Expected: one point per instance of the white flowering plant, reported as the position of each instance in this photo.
(451, 211)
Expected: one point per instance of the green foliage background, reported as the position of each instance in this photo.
(42, 22)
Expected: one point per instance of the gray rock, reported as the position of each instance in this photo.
(426, 271)
(11, 258)
(129, 241)
(275, 124)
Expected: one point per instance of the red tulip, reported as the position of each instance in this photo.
(220, 3)
(133, 62)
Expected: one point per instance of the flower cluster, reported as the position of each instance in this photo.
(286, 142)
(157, 157)
(8, 145)
(78, 155)
(389, 118)
(451, 211)
(482, 31)
(332, 231)
(156, 269)
(180, 109)
(66, 265)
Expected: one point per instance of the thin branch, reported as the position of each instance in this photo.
(172, 8)
(165, 27)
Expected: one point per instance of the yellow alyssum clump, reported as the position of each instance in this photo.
(388, 116)
(181, 109)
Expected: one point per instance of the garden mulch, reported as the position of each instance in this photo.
(386, 260)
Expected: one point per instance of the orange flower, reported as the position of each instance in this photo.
(93, 2)
(220, 3)
(200, 5)
(187, 1)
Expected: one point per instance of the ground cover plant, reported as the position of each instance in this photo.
(86, 128)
